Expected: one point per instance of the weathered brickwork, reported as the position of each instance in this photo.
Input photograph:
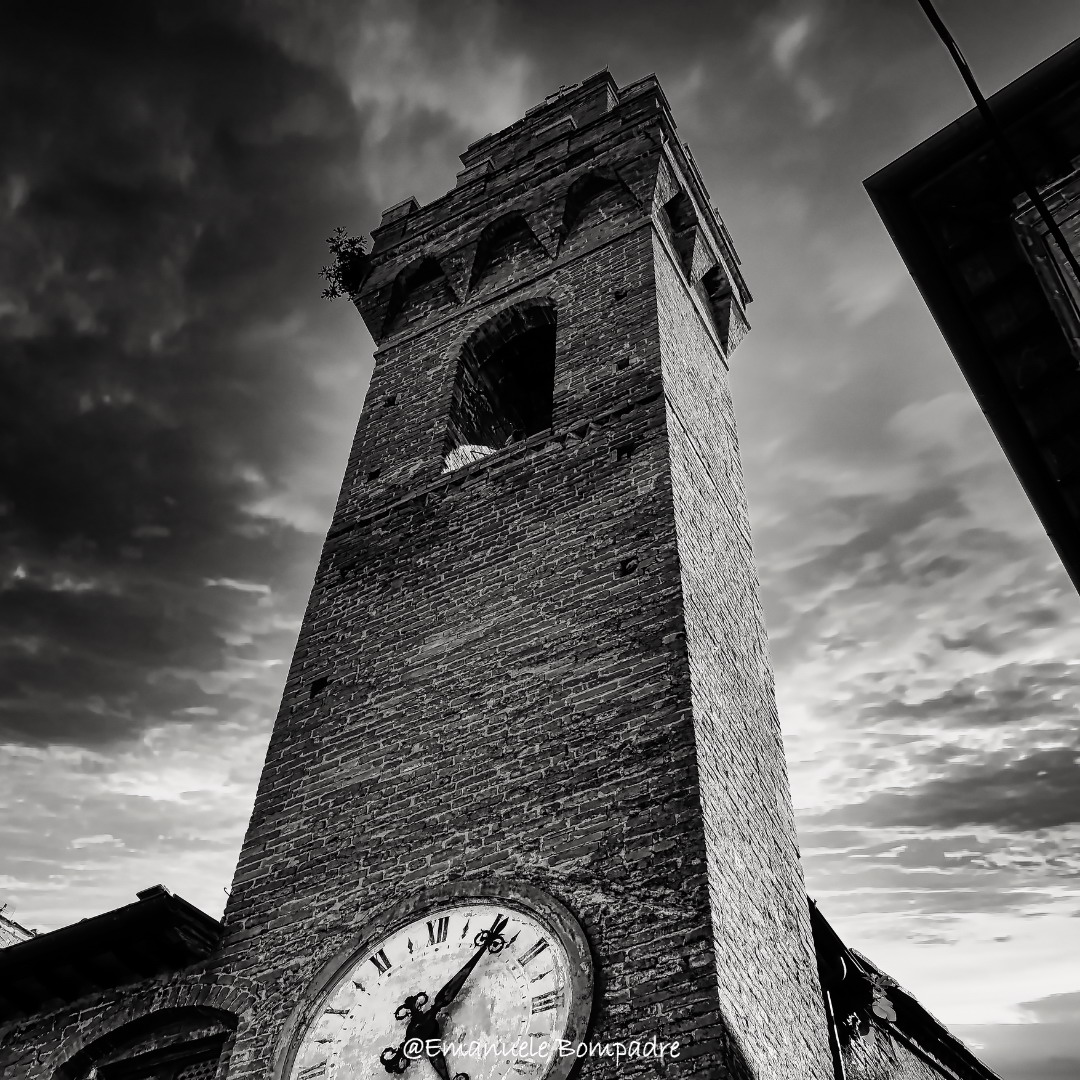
(758, 896)
(522, 669)
(11, 932)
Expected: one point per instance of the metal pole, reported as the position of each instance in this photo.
(999, 137)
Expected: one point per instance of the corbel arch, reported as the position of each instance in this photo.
(419, 288)
(595, 196)
(503, 242)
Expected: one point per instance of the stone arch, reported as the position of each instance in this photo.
(594, 197)
(179, 1037)
(503, 386)
(503, 243)
(78, 1042)
(419, 289)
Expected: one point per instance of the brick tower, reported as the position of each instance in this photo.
(532, 677)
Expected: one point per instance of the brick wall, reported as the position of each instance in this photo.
(765, 962)
(169, 1012)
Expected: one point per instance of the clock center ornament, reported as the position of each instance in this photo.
(482, 981)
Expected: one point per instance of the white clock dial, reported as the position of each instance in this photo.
(516, 999)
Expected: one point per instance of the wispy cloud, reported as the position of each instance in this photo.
(789, 42)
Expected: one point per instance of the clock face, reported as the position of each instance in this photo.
(491, 982)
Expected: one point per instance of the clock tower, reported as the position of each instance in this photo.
(527, 780)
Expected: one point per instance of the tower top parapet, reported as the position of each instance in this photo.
(567, 109)
(623, 136)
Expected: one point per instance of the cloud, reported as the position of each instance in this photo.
(1055, 1008)
(788, 42)
(1042, 695)
(1033, 791)
(94, 841)
(861, 288)
(426, 87)
(149, 418)
(240, 586)
(82, 830)
(1042, 1051)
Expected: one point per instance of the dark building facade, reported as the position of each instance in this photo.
(526, 787)
(998, 285)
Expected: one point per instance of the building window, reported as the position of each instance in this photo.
(1056, 277)
(503, 385)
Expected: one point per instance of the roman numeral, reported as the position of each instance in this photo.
(532, 952)
(382, 965)
(312, 1072)
(336, 1012)
(437, 933)
(543, 1002)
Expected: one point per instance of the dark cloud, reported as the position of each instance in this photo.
(848, 549)
(1042, 1051)
(1033, 791)
(1011, 694)
(1054, 1009)
(170, 176)
(874, 555)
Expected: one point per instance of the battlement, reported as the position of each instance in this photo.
(566, 110)
(528, 186)
(561, 118)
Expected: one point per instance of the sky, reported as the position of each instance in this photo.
(176, 405)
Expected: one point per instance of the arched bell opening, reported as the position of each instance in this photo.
(503, 389)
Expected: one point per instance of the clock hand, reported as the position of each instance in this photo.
(486, 940)
(424, 1028)
(424, 1024)
(438, 1063)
